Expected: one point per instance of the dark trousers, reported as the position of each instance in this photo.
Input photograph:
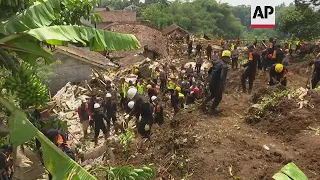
(198, 68)
(163, 84)
(260, 64)
(158, 118)
(315, 79)
(97, 129)
(144, 121)
(112, 118)
(209, 56)
(197, 52)
(234, 63)
(189, 52)
(216, 94)
(267, 63)
(247, 74)
(123, 101)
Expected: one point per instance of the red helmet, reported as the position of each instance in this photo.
(196, 90)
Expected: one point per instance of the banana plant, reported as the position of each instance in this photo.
(57, 163)
(24, 33)
(290, 172)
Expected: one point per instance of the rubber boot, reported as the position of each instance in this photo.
(214, 110)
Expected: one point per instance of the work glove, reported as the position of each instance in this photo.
(127, 117)
(140, 117)
(146, 127)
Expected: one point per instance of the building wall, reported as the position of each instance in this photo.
(69, 70)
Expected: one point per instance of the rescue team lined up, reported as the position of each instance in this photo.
(143, 99)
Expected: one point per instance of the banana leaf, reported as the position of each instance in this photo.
(293, 172)
(290, 172)
(57, 163)
(96, 39)
(280, 176)
(41, 14)
(29, 51)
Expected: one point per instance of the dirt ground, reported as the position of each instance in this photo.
(195, 145)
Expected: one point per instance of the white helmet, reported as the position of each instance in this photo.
(96, 106)
(132, 92)
(153, 98)
(130, 104)
(108, 95)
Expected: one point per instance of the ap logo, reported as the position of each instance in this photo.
(263, 14)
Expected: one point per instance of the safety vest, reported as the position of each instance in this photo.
(140, 88)
(154, 75)
(298, 43)
(181, 96)
(232, 46)
(131, 87)
(124, 87)
(171, 85)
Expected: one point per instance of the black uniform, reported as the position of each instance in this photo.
(198, 49)
(110, 109)
(175, 101)
(144, 109)
(190, 48)
(268, 57)
(280, 77)
(98, 117)
(209, 52)
(316, 74)
(191, 98)
(217, 82)
(279, 56)
(250, 72)
(158, 114)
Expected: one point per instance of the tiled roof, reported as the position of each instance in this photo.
(172, 28)
(87, 56)
(117, 15)
(145, 33)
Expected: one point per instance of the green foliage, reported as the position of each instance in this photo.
(290, 172)
(73, 10)
(271, 100)
(199, 16)
(130, 173)
(115, 4)
(4, 141)
(45, 71)
(10, 7)
(63, 11)
(125, 139)
(302, 23)
(58, 163)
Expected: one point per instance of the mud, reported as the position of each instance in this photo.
(194, 145)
